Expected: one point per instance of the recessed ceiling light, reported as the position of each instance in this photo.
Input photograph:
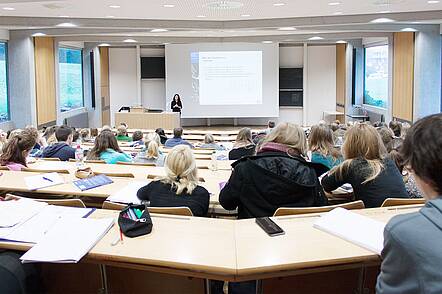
(245, 15)
(66, 25)
(8, 8)
(158, 30)
(267, 42)
(104, 45)
(408, 30)
(382, 20)
(316, 38)
(201, 16)
(433, 1)
(385, 11)
(130, 41)
(341, 42)
(337, 12)
(64, 16)
(334, 3)
(38, 35)
(110, 16)
(278, 4)
(169, 5)
(114, 6)
(287, 29)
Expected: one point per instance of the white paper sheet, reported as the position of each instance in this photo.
(14, 212)
(43, 181)
(355, 228)
(128, 194)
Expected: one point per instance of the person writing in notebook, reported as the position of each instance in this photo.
(176, 105)
(411, 256)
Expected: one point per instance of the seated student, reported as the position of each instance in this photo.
(62, 148)
(49, 135)
(386, 135)
(177, 139)
(122, 134)
(151, 154)
(162, 134)
(75, 136)
(106, 148)
(373, 175)
(3, 140)
(137, 139)
(322, 147)
(393, 149)
(17, 150)
(85, 135)
(278, 176)
(270, 126)
(180, 185)
(396, 127)
(411, 256)
(243, 145)
(209, 143)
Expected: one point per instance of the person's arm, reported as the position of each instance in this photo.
(144, 192)
(124, 157)
(330, 182)
(229, 195)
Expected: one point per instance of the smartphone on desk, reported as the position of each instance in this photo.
(269, 226)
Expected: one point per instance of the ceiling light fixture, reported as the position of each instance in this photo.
(114, 6)
(158, 30)
(66, 25)
(408, 30)
(129, 41)
(341, 42)
(267, 42)
(104, 45)
(334, 3)
(287, 29)
(64, 16)
(433, 1)
(8, 8)
(278, 4)
(169, 5)
(38, 35)
(110, 16)
(382, 20)
(316, 38)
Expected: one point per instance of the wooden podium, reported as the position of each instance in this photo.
(148, 120)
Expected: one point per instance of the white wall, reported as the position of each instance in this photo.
(122, 79)
(321, 82)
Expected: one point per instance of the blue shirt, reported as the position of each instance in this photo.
(329, 161)
(111, 156)
(176, 141)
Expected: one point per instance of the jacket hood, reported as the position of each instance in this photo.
(433, 212)
(54, 148)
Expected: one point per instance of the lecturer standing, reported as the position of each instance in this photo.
(176, 104)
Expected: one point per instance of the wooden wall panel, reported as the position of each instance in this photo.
(105, 93)
(403, 75)
(341, 80)
(44, 53)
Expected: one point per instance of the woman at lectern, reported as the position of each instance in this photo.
(176, 104)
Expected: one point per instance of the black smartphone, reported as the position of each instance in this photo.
(269, 226)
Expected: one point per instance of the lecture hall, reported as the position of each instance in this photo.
(220, 146)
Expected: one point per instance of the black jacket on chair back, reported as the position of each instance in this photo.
(260, 184)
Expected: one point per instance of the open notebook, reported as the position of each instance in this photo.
(128, 194)
(355, 228)
(43, 181)
(69, 240)
(15, 212)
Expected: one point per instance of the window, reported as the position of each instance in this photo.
(376, 76)
(70, 70)
(4, 105)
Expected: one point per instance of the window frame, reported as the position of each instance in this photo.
(366, 105)
(8, 101)
(63, 113)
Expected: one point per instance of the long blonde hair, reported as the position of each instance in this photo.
(181, 170)
(289, 134)
(152, 149)
(362, 141)
(321, 140)
(244, 138)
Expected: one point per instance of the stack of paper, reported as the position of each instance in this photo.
(128, 194)
(17, 211)
(69, 240)
(43, 181)
(358, 229)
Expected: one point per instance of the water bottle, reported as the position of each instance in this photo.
(79, 156)
(214, 161)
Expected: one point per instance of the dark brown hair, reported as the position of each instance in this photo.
(177, 132)
(105, 140)
(396, 127)
(421, 150)
(14, 149)
(137, 136)
(62, 133)
(321, 140)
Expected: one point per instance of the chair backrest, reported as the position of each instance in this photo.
(402, 201)
(171, 210)
(50, 159)
(60, 171)
(203, 167)
(60, 202)
(117, 175)
(94, 161)
(305, 210)
(136, 163)
(113, 205)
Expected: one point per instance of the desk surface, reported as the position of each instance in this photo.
(232, 250)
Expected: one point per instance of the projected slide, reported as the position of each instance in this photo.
(227, 77)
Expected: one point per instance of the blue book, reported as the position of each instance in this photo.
(94, 182)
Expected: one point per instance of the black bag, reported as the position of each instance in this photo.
(134, 228)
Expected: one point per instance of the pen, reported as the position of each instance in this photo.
(48, 179)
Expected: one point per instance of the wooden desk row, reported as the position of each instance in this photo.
(232, 250)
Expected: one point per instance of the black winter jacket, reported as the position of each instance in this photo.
(260, 184)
